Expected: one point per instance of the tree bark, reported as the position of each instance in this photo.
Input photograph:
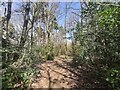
(25, 26)
(8, 17)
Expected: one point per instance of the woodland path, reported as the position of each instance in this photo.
(60, 73)
(56, 74)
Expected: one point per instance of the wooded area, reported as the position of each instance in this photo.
(60, 44)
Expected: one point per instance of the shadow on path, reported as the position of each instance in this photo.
(60, 74)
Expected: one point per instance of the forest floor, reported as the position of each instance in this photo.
(59, 74)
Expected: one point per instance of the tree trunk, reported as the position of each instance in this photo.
(25, 28)
(65, 32)
(7, 24)
(32, 33)
(8, 17)
(24, 31)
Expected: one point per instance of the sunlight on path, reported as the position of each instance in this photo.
(53, 76)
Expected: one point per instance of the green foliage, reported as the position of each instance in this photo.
(50, 57)
(45, 51)
(56, 26)
(96, 44)
(16, 77)
(49, 53)
(99, 42)
(113, 77)
(18, 73)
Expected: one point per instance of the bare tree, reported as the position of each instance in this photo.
(25, 25)
(8, 16)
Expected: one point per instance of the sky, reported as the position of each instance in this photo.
(43, 0)
(63, 0)
(75, 5)
(60, 20)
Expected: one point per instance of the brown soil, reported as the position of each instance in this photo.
(55, 74)
(59, 74)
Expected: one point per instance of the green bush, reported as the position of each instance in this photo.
(18, 73)
(44, 51)
(16, 77)
(113, 77)
(50, 57)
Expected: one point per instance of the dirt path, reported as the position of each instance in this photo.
(60, 74)
(55, 74)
